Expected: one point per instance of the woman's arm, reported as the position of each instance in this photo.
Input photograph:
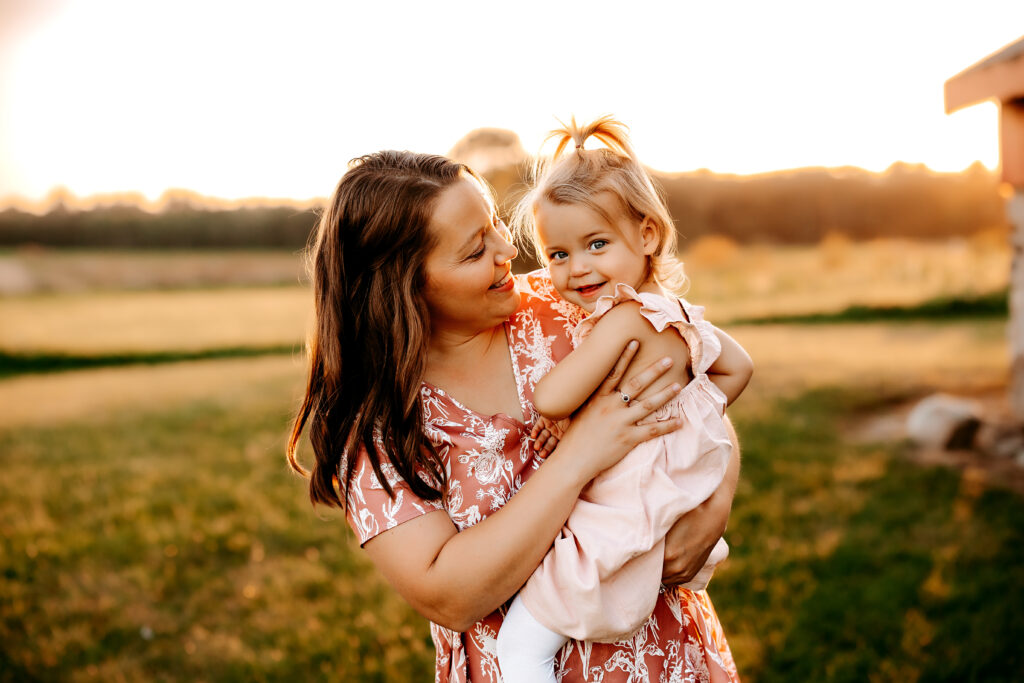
(733, 368)
(457, 578)
(566, 387)
(691, 539)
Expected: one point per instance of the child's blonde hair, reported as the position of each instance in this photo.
(574, 175)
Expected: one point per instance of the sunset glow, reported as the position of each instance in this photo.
(251, 99)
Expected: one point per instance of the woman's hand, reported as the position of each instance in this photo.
(606, 428)
(690, 540)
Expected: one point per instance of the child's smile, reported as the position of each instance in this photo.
(586, 291)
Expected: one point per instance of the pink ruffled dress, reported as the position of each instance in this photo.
(600, 580)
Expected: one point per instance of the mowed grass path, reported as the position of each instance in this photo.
(153, 532)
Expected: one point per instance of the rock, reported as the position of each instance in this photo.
(944, 421)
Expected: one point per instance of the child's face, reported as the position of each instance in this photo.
(588, 255)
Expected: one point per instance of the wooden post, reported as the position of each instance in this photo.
(1011, 141)
(1000, 76)
(1011, 156)
(1015, 215)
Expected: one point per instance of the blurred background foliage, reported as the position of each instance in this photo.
(791, 207)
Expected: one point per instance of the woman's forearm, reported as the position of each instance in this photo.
(480, 568)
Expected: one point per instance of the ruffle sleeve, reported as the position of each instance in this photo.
(711, 346)
(661, 313)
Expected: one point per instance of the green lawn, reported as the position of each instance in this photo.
(849, 563)
(177, 546)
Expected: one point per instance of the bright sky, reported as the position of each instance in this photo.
(242, 99)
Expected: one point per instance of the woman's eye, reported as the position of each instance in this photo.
(478, 253)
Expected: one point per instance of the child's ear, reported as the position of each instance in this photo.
(649, 235)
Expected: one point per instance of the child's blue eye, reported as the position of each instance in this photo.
(557, 256)
(599, 244)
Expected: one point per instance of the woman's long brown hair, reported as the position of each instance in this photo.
(368, 348)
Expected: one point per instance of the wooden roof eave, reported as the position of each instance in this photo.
(997, 77)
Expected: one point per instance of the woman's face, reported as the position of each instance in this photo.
(469, 284)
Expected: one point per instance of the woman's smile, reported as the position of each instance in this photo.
(505, 283)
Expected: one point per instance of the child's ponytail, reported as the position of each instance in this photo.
(606, 129)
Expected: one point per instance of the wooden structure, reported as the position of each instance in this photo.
(1000, 77)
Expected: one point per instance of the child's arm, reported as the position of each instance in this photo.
(566, 387)
(733, 368)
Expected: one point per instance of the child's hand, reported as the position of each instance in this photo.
(545, 435)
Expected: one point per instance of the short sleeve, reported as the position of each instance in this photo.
(370, 510)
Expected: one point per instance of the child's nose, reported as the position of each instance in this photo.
(578, 266)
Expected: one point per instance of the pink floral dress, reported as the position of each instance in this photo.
(488, 458)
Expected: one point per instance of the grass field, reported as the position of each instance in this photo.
(93, 316)
(752, 281)
(851, 564)
(174, 545)
(152, 531)
(38, 270)
(118, 322)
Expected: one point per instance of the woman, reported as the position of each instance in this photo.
(422, 366)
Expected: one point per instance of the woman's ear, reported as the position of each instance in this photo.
(649, 235)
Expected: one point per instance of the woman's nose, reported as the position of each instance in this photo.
(506, 251)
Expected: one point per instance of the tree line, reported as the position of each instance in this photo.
(792, 207)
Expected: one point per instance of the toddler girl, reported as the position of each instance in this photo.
(609, 243)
